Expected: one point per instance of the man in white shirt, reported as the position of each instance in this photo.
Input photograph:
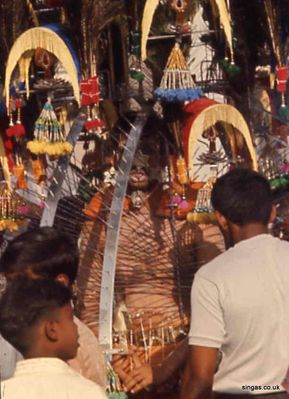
(240, 300)
(36, 317)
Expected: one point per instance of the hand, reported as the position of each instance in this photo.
(137, 379)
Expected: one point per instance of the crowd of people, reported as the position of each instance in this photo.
(238, 344)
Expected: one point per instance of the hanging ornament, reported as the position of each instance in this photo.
(90, 98)
(230, 68)
(90, 91)
(10, 217)
(282, 76)
(135, 70)
(20, 174)
(48, 136)
(182, 172)
(177, 83)
(203, 213)
(15, 129)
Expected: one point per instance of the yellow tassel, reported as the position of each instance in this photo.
(201, 217)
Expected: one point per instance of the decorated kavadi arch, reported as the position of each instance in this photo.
(50, 38)
(201, 115)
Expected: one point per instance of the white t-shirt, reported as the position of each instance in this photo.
(240, 304)
(48, 378)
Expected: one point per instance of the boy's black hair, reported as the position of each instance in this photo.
(46, 251)
(24, 303)
(243, 196)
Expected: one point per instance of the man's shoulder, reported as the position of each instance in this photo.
(216, 266)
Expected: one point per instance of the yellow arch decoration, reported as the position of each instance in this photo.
(148, 14)
(48, 40)
(209, 117)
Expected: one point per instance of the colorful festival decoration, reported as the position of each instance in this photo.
(10, 216)
(204, 113)
(48, 135)
(177, 83)
(90, 98)
(51, 39)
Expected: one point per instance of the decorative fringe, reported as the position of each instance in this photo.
(148, 14)
(208, 118)
(47, 39)
(24, 65)
(48, 136)
(177, 83)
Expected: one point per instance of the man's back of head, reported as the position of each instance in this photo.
(243, 197)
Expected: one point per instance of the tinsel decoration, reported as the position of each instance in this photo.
(10, 218)
(177, 84)
(48, 135)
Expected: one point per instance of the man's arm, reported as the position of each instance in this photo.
(199, 373)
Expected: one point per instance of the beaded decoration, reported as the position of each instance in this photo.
(48, 135)
(177, 83)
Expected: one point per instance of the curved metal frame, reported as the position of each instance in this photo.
(112, 236)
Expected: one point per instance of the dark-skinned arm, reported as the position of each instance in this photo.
(199, 373)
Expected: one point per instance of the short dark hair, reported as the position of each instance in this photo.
(46, 251)
(243, 196)
(24, 303)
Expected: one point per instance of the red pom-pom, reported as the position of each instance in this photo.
(19, 130)
(10, 131)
